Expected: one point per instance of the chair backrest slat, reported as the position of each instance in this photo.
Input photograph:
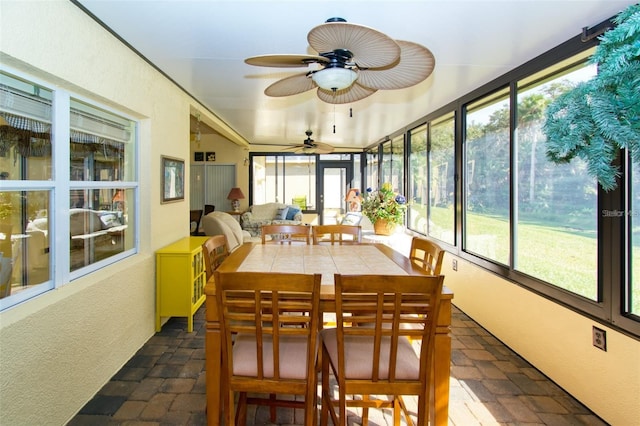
(388, 309)
(427, 255)
(215, 252)
(284, 233)
(337, 234)
(269, 307)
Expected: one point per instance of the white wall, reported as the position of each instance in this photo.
(57, 350)
(555, 340)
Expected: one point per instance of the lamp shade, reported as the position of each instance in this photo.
(334, 78)
(235, 194)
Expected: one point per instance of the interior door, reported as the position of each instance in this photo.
(335, 179)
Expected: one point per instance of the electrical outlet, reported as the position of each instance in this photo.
(454, 264)
(599, 338)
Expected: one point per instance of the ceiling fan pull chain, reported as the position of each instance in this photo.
(334, 119)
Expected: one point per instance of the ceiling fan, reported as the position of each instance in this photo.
(353, 62)
(309, 146)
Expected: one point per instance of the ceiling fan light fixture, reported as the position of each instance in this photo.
(334, 79)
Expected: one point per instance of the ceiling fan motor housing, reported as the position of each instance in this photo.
(337, 58)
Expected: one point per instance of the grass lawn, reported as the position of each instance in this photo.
(564, 257)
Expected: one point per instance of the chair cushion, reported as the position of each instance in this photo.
(359, 356)
(293, 356)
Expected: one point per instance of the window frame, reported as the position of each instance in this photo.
(613, 235)
(281, 166)
(59, 188)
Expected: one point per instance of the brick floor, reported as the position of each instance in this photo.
(164, 384)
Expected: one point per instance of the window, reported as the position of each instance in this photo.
(101, 150)
(442, 179)
(556, 205)
(371, 169)
(92, 204)
(487, 173)
(392, 168)
(431, 179)
(417, 212)
(631, 293)
(300, 181)
(545, 226)
(287, 179)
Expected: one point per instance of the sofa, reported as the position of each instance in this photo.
(221, 223)
(268, 214)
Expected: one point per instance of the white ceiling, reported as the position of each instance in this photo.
(202, 44)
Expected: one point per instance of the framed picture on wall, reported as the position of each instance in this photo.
(198, 156)
(172, 179)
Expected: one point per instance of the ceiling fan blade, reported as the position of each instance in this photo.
(323, 148)
(353, 93)
(290, 86)
(314, 150)
(285, 60)
(415, 65)
(370, 48)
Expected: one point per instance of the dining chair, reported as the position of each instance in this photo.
(215, 251)
(270, 340)
(380, 359)
(208, 208)
(336, 234)
(285, 233)
(427, 255)
(194, 219)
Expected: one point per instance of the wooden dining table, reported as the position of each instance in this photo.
(326, 260)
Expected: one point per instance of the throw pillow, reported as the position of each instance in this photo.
(293, 211)
(282, 213)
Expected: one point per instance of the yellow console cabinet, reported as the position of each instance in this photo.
(180, 280)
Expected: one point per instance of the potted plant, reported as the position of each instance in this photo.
(384, 208)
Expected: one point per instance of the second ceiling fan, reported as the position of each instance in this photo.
(353, 62)
(309, 146)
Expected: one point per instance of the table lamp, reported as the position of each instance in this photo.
(235, 195)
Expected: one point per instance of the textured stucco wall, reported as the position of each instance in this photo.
(555, 340)
(57, 350)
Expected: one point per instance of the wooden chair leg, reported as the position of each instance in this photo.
(311, 403)
(396, 411)
(342, 407)
(405, 410)
(241, 415)
(365, 411)
(272, 408)
(423, 410)
(325, 401)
